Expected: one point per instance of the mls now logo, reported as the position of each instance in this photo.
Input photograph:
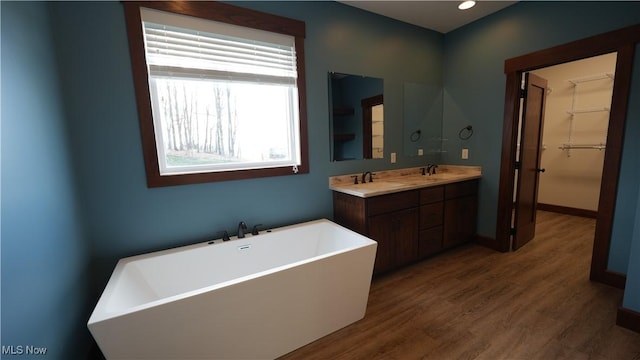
(23, 350)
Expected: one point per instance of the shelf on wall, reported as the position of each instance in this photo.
(343, 111)
(570, 145)
(588, 110)
(344, 137)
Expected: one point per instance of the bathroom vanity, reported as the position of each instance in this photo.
(411, 216)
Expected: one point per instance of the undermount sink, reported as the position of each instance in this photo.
(426, 178)
(445, 176)
(377, 185)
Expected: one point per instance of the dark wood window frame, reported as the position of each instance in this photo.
(623, 42)
(222, 13)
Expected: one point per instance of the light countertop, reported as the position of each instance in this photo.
(391, 181)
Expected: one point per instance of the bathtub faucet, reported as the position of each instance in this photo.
(242, 226)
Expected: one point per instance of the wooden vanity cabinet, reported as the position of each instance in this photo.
(411, 225)
(397, 237)
(460, 213)
(431, 219)
(392, 220)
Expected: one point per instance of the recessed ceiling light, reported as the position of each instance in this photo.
(466, 5)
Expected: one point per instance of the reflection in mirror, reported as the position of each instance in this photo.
(356, 105)
(422, 120)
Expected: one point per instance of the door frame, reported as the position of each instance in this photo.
(623, 42)
(367, 125)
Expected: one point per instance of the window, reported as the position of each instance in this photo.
(219, 98)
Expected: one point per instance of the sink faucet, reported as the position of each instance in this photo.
(431, 169)
(242, 226)
(364, 176)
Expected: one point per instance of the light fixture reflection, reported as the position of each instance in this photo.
(466, 5)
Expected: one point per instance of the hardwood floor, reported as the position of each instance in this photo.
(475, 303)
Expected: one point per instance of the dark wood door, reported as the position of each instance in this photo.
(529, 159)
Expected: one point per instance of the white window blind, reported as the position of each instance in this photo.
(183, 46)
(224, 97)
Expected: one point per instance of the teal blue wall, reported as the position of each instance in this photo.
(124, 217)
(89, 146)
(474, 93)
(628, 189)
(45, 297)
(632, 290)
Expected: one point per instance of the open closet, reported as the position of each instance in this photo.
(576, 120)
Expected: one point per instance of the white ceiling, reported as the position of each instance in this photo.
(442, 16)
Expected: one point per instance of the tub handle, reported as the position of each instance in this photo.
(255, 231)
(225, 237)
(244, 247)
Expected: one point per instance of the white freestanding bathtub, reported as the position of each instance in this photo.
(254, 298)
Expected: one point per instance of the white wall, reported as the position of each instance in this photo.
(572, 177)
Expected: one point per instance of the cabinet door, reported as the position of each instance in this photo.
(381, 230)
(459, 220)
(406, 236)
(397, 237)
(430, 215)
(430, 242)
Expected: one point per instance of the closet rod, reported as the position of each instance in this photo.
(583, 146)
(576, 81)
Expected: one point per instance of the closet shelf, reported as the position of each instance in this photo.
(344, 137)
(588, 110)
(343, 111)
(570, 144)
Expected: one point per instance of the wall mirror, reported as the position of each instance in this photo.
(356, 108)
(422, 131)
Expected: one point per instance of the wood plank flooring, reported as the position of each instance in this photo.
(475, 303)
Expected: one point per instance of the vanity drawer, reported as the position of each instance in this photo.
(431, 194)
(459, 189)
(393, 202)
(431, 215)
